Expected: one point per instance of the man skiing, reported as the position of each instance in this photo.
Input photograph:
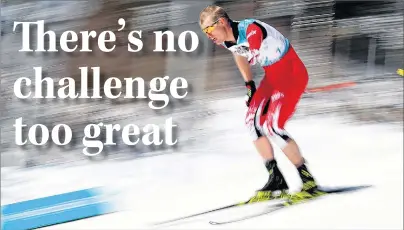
(273, 102)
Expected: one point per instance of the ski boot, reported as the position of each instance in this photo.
(275, 188)
(309, 188)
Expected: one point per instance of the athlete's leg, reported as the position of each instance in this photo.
(264, 148)
(258, 106)
(281, 109)
(292, 151)
(261, 142)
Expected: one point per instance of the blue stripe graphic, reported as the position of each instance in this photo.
(54, 209)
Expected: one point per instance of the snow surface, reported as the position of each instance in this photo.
(229, 170)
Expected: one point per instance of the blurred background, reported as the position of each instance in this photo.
(339, 41)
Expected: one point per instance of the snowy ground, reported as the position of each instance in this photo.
(228, 170)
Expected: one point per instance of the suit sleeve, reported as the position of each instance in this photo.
(254, 38)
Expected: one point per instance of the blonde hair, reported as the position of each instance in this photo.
(213, 12)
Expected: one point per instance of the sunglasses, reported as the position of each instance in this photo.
(209, 29)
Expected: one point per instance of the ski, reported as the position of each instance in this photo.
(294, 199)
(252, 200)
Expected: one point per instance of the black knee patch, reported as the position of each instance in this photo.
(284, 137)
(259, 134)
(266, 107)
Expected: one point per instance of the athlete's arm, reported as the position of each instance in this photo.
(254, 38)
(245, 70)
(244, 67)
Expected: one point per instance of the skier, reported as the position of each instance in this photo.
(273, 103)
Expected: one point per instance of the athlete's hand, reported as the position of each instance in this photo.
(250, 92)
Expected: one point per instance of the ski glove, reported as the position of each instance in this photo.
(250, 85)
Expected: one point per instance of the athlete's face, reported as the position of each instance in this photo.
(215, 30)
